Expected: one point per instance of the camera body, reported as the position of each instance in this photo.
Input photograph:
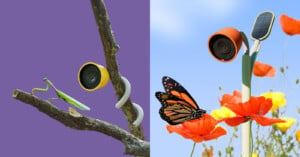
(224, 45)
(92, 76)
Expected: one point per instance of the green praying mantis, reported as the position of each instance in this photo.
(81, 106)
(61, 95)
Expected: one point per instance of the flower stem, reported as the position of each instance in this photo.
(251, 138)
(193, 149)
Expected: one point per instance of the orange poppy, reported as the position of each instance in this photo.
(289, 25)
(263, 70)
(297, 134)
(208, 152)
(231, 99)
(201, 129)
(254, 109)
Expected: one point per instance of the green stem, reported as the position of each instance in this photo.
(193, 149)
(251, 138)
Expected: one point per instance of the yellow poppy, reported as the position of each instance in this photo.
(222, 113)
(278, 99)
(285, 125)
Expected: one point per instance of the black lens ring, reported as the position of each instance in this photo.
(90, 76)
(222, 47)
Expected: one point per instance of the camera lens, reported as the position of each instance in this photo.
(90, 76)
(222, 47)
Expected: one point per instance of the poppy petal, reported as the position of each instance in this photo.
(222, 113)
(252, 107)
(174, 128)
(286, 125)
(264, 121)
(235, 121)
(236, 108)
(289, 25)
(246, 108)
(179, 130)
(217, 132)
(259, 105)
(297, 134)
(265, 106)
(201, 126)
(198, 130)
(256, 105)
(278, 99)
(263, 70)
(197, 139)
(231, 99)
(208, 152)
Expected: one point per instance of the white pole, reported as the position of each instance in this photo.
(247, 67)
(246, 92)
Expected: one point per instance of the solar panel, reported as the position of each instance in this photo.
(262, 26)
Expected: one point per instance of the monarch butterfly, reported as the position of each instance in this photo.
(178, 105)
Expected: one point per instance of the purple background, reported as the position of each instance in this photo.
(53, 39)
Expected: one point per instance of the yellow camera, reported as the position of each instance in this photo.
(92, 76)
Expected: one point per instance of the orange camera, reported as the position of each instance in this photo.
(225, 44)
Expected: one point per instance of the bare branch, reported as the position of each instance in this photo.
(133, 141)
(110, 48)
(133, 145)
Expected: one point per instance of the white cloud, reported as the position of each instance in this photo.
(172, 18)
(165, 21)
(217, 8)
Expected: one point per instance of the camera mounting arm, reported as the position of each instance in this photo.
(124, 98)
(245, 42)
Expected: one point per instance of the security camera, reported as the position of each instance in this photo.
(92, 76)
(224, 45)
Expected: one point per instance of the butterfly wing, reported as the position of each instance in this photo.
(178, 105)
(174, 88)
(176, 111)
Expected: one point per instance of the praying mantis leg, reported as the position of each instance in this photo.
(40, 89)
(71, 100)
(61, 95)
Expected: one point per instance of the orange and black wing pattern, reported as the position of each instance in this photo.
(178, 105)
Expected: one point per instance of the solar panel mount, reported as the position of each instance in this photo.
(262, 26)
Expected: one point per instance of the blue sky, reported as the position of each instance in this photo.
(179, 36)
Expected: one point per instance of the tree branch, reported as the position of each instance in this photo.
(133, 145)
(133, 141)
(110, 49)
